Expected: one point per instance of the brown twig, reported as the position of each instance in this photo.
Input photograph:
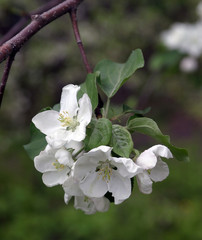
(37, 23)
(6, 74)
(25, 19)
(73, 16)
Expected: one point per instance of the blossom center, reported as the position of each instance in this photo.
(58, 166)
(67, 121)
(105, 170)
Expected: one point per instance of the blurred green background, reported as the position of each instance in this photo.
(50, 60)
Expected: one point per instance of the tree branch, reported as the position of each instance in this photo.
(37, 23)
(25, 18)
(73, 17)
(6, 74)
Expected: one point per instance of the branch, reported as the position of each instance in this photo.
(5, 75)
(73, 17)
(37, 23)
(26, 17)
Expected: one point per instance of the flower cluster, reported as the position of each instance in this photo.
(186, 38)
(94, 177)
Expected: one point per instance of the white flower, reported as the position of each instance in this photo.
(82, 202)
(54, 164)
(89, 205)
(184, 37)
(188, 64)
(68, 124)
(154, 168)
(98, 173)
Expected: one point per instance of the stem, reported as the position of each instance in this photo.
(107, 107)
(5, 75)
(73, 16)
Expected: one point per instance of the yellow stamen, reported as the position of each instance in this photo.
(65, 119)
(58, 166)
(105, 170)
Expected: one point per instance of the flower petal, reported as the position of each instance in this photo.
(160, 171)
(71, 187)
(78, 134)
(51, 179)
(47, 122)
(147, 159)
(68, 100)
(93, 185)
(119, 186)
(161, 150)
(58, 139)
(126, 167)
(85, 110)
(64, 157)
(99, 154)
(144, 182)
(67, 198)
(101, 204)
(44, 162)
(85, 204)
(82, 167)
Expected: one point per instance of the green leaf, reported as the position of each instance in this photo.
(98, 133)
(114, 75)
(148, 127)
(37, 143)
(89, 87)
(127, 109)
(121, 141)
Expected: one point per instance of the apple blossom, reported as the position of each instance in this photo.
(54, 164)
(98, 173)
(88, 205)
(68, 124)
(154, 168)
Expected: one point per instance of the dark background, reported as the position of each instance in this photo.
(50, 60)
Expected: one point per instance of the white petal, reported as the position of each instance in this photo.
(126, 167)
(51, 179)
(160, 171)
(85, 204)
(101, 204)
(68, 100)
(64, 157)
(85, 110)
(78, 134)
(44, 162)
(144, 183)
(82, 167)
(57, 140)
(67, 198)
(47, 122)
(93, 185)
(161, 150)
(71, 187)
(119, 186)
(147, 159)
(99, 154)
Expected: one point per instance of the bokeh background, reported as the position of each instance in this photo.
(50, 60)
